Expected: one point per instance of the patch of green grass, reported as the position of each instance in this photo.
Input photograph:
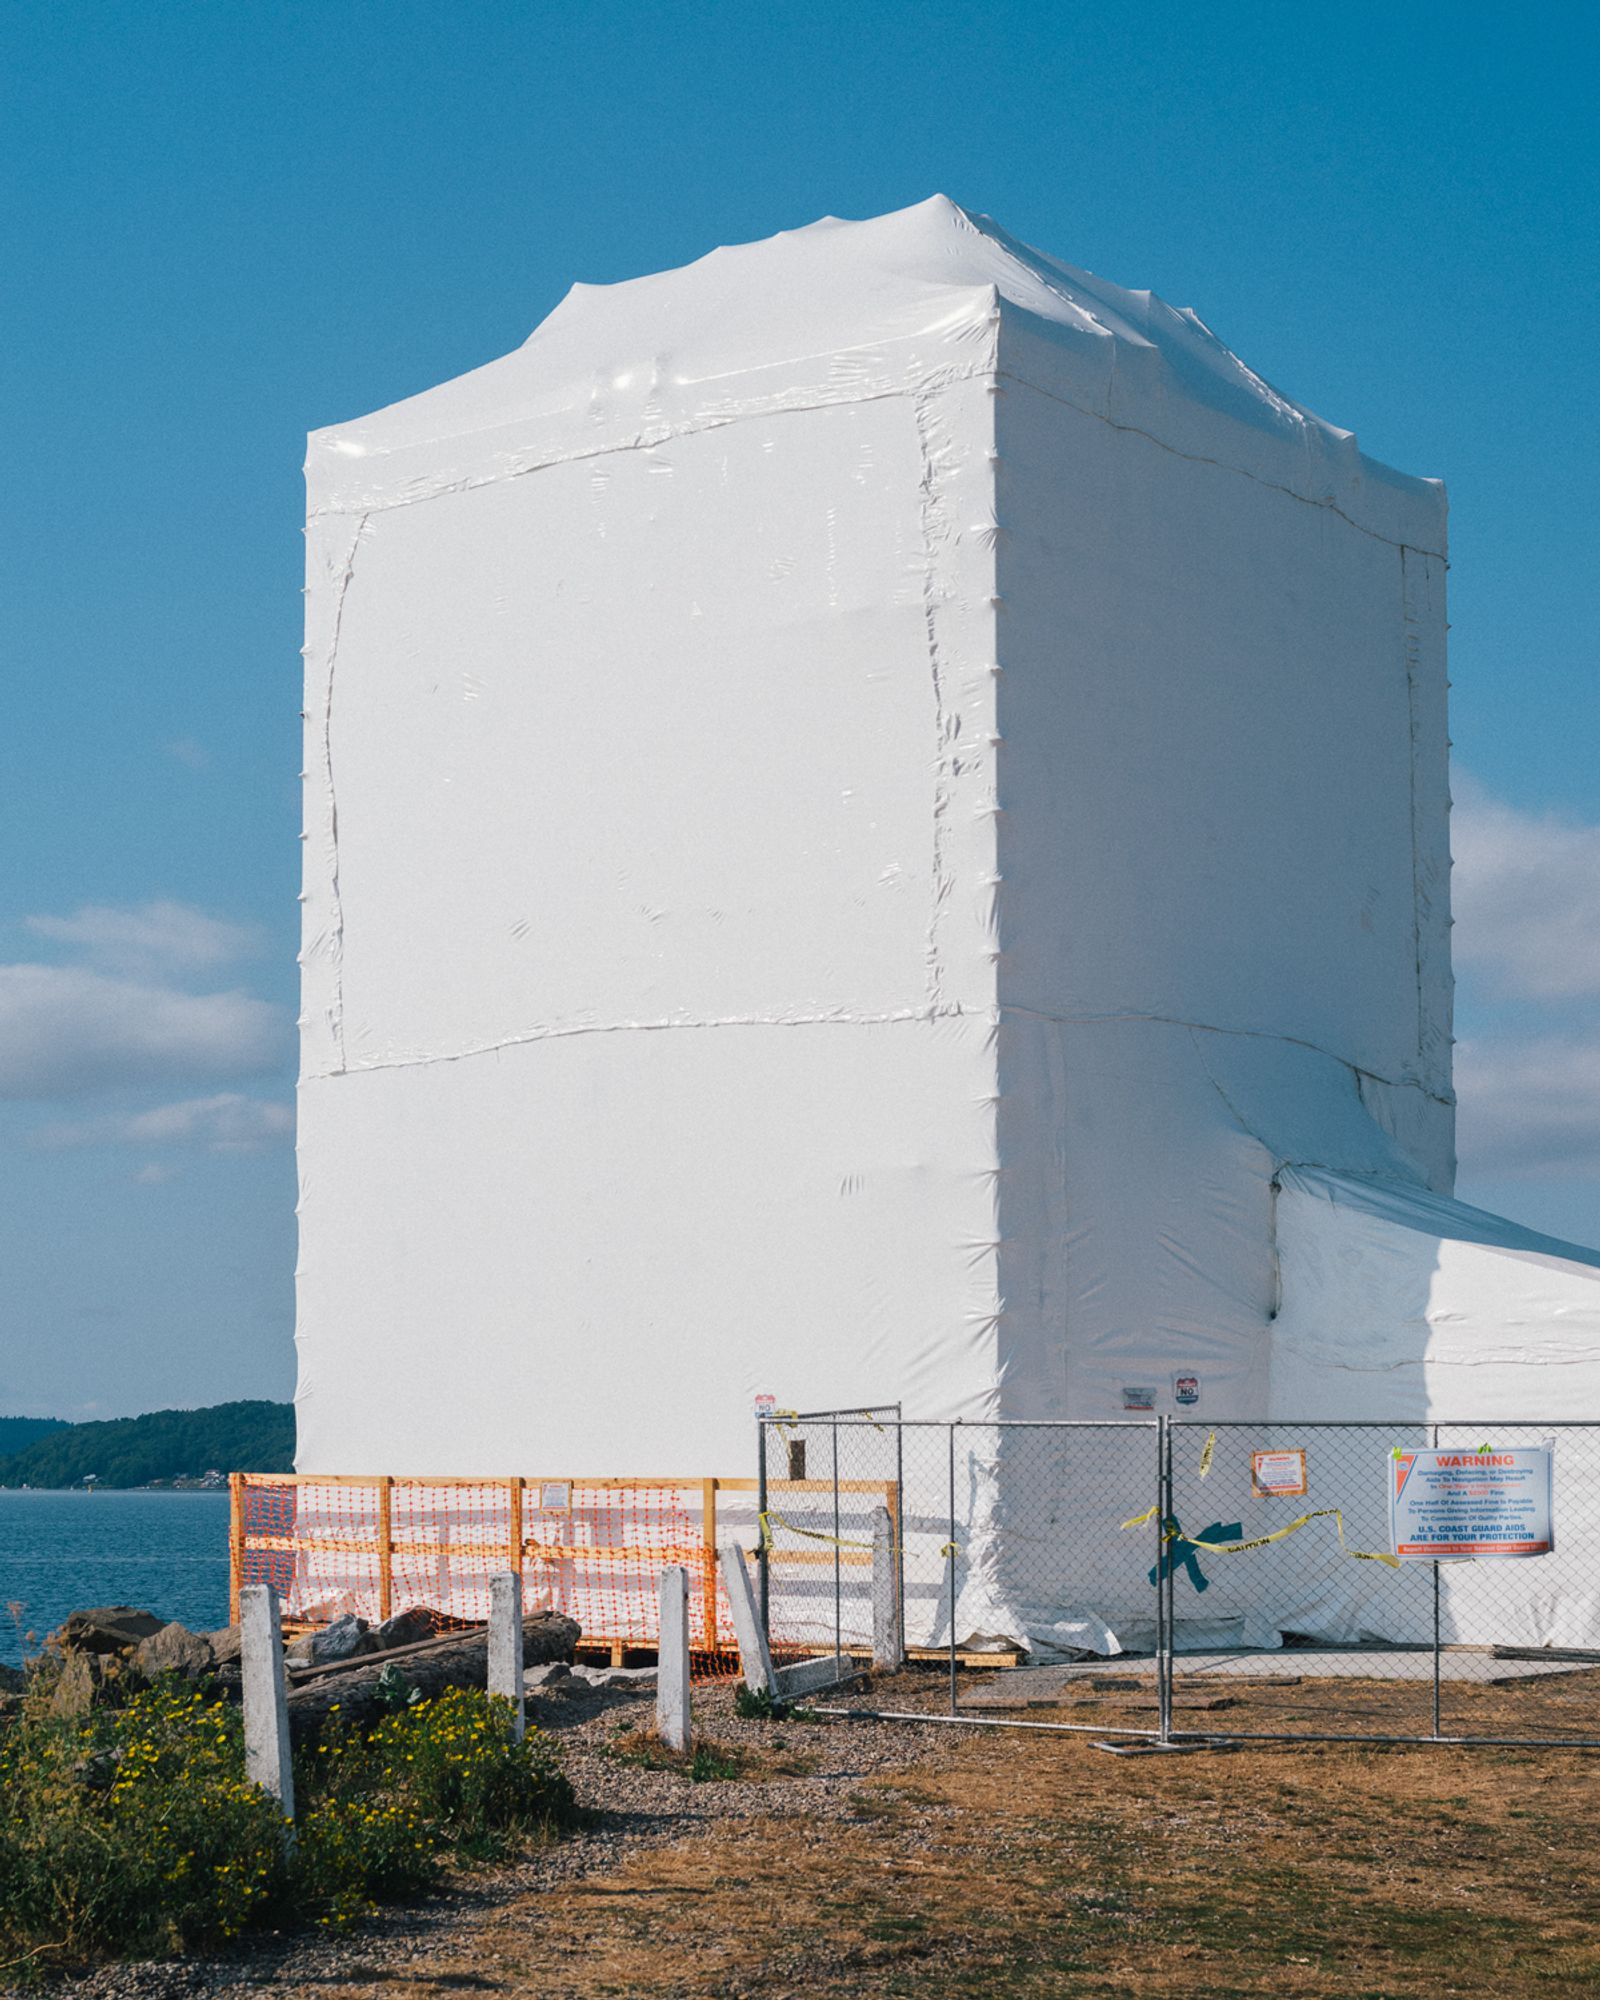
(711, 1765)
(707, 1762)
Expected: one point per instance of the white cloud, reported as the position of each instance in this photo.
(154, 1174)
(150, 939)
(1530, 1107)
(185, 750)
(68, 1030)
(226, 1123)
(1526, 898)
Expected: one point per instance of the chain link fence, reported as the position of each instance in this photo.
(1292, 1615)
(1178, 1581)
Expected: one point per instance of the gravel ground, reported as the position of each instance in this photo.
(628, 1807)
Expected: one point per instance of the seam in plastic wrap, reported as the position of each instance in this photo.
(1232, 1109)
(950, 1011)
(1415, 582)
(931, 383)
(935, 531)
(1411, 644)
(335, 930)
(1328, 506)
(1275, 1153)
(1213, 1028)
(945, 1011)
(928, 384)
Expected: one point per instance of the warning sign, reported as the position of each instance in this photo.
(1484, 1503)
(1278, 1474)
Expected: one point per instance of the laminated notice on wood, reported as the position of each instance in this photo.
(1486, 1503)
(1278, 1474)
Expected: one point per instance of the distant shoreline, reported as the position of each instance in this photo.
(172, 1450)
(149, 1486)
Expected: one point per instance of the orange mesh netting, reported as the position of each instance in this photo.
(592, 1549)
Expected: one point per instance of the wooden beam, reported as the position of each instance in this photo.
(235, 1543)
(708, 1562)
(385, 1550)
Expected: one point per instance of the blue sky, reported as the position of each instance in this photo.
(224, 226)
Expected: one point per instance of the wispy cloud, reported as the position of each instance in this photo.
(66, 1031)
(165, 938)
(1530, 1107)
(1526, 898)
(228, 1122)
(186, 751)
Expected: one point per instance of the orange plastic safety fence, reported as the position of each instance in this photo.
(593, 1550)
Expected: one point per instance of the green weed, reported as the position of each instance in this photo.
(135, 1831)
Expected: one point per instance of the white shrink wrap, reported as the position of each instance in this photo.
(876, 828)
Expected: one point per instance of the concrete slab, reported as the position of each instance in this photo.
(1026, 1687)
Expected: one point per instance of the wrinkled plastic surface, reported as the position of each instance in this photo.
(1401, 1304)
(864, 797)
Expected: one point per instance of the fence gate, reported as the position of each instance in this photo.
(1016, 1542)
(1184, 1582)
(1292, 1616)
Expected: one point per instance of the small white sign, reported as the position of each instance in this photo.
(1186, 1391)
(555, 1496)
(765, 1406)
(1137, 1398)
(1488, 1503)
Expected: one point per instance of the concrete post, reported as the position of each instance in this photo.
(266, 1698)
(674, 1719)
(753, 1654)
(888, 1641)
(505, 1645)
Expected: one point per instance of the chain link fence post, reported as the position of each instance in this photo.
(838, 1566)
(764, 1537)
(1437, 1652)
(1164, 1597)
(950, 1548)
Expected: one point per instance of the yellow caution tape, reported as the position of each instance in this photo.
(1173, 1534)
(951, 1549)
(1205, 1455)
(1317, 1514)
(765, 1521)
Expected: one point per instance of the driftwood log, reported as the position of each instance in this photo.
(458, 1659)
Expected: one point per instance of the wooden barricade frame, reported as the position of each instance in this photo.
(521, 1552)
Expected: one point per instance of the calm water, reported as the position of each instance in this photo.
(61, 1552)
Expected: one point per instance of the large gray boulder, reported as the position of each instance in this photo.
(346, 1638)
(109, 1628)
(227, 1647)
(405, 1628)
(73, 1690)
(173, 1650)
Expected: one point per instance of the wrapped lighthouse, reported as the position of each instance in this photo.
(877, 827)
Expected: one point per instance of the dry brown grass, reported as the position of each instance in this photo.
(1029, 1866)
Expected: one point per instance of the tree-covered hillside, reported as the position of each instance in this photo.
(17, 1432)
(166, 1444)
